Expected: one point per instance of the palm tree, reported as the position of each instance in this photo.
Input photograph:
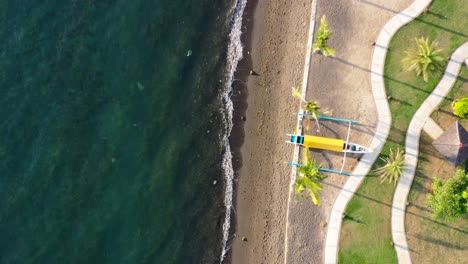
(297, 93)
(309, 179)
(424, 59)
(393, 168)
(323, 34)
(310, 107)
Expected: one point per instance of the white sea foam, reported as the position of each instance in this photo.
(234, 55)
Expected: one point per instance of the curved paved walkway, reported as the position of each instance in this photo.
(412, 150)
(383, 126)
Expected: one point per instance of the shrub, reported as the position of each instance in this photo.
(450, 198)
(323, 34)
(393, 168)
(424, 59)
(460, 107)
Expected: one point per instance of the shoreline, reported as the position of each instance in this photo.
(239, 101)
(274, 48)
(277, 38)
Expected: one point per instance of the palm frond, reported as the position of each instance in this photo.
(296, 92)
(309, 177)
(424, 59)
(328, 51)
(393, 168)
(312, 108)
(321, 39)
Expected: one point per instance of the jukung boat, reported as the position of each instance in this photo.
(331, 144)
(324, 143)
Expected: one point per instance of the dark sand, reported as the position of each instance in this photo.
(278, 38)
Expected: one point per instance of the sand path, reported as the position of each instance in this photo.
(278, 40)
(341, 84)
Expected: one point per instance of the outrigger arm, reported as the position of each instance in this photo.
(347, 139)
(329, 118)
(321, 169)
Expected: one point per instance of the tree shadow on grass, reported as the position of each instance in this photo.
(464, 231)
(401, 101)
(439, 242)
(347, 217)
(384, 76)
(440, 16)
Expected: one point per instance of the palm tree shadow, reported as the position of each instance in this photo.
(440, 16)
(401, 101)
(363, 128)
(439, 242)
(353, 219)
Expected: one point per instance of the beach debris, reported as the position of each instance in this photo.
(253, 73)
(215, 182)
(323, 224)
(189, 52)
(244, 239)
(243, 118)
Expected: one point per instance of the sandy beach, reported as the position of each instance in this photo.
(276, 49)
(278, 39)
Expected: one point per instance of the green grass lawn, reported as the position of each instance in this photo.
(432, 241)
(365, 235)
(444, 116)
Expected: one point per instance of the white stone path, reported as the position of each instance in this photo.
(432, 129)
(418, 122)
(383, 126)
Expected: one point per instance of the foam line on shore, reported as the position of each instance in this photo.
(234, 55)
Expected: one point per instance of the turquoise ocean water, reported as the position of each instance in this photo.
(111, 135)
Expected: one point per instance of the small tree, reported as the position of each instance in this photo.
(424, 59)
(309, 177)
(460, 107)
(450, 198)
(321, 39)
(393, 168)
(310, 107)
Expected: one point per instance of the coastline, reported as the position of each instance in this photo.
(274, 47)
(239, 101)
(277, 40)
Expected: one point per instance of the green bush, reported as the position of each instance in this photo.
(460, 108)
(449, 200)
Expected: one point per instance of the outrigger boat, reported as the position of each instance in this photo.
(331, 144)
(324, 143)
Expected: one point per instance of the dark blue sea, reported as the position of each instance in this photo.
(114, 124)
